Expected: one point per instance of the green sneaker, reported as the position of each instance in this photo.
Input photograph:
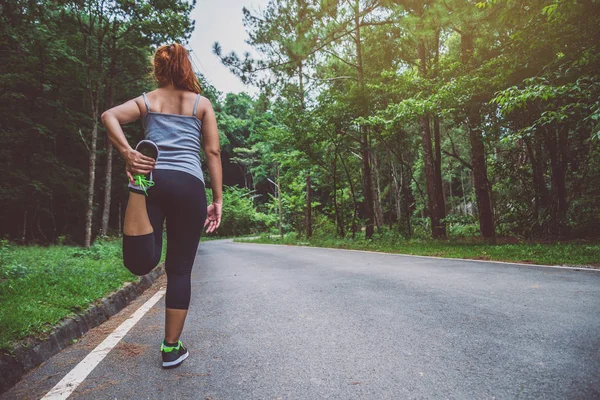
(144, 182)
(173, 356)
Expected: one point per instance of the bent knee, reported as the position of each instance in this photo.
(140, 267)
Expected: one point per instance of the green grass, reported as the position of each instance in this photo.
(208, 236)
(569, 253)
(39, 286)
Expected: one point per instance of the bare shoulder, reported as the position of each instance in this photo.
(204, 107)
(152, 96)
(139, 101)
(126, 112)
(204, 102)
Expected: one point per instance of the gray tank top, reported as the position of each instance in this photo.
(178, 139)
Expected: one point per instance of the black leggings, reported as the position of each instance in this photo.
(181, 199)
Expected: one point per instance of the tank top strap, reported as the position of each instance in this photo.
(196, 104)
(146, 101)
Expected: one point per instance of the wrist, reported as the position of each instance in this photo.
(218, 201)
(126, 151)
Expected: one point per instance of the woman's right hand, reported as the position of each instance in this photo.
(213, 218)
(137, 163)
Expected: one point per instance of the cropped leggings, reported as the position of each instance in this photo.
(181, 199)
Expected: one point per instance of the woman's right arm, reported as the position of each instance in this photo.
(136, 163)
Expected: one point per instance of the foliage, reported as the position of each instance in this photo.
(520, 80)
(240, 216)
(61, 61)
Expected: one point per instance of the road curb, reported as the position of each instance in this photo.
(32, 352)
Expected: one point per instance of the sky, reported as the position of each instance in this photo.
(221, 21)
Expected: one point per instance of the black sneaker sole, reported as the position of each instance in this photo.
(147, 149)
(175, 363)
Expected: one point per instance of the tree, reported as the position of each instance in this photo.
(102, 25)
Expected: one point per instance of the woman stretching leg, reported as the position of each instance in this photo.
(166, 182)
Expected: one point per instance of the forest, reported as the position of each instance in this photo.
(412, 118)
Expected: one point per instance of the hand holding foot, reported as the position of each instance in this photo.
(138, 164)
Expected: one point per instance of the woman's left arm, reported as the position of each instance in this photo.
(112, 119)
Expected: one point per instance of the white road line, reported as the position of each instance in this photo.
(69, 383)
(582, 268)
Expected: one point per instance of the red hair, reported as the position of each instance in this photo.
(172, 65)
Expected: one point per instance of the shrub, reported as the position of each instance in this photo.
(240, 217)
(323, 227)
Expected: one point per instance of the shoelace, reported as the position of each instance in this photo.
(143, 182)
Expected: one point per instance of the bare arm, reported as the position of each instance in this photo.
(212, 149)
(112, 119)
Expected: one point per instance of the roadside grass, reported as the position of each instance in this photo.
(39, 286)
(207, 236)
(566, 253)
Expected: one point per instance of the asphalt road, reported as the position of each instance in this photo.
(282, 322)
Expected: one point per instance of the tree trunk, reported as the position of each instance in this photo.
(441, 202)
(108, 172)
(438, 228)
(365, 148)
(407, 199)
(368, 187)
(107, 189)
(339, 218)
(24, 234)
(307, 216)
(464, 198)
(379, 222)
(478, 160)
(450, 190)
(91, 178)
(563, 202)
(308, 207)
(557, 150)
(401, 205)
(391, 204)
(439, 187)
(353, 193)
(53, 217)
(538, 168)
(482, 186)
(397, 191)
(279, 201)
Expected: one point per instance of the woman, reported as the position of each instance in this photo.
(166, 182)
